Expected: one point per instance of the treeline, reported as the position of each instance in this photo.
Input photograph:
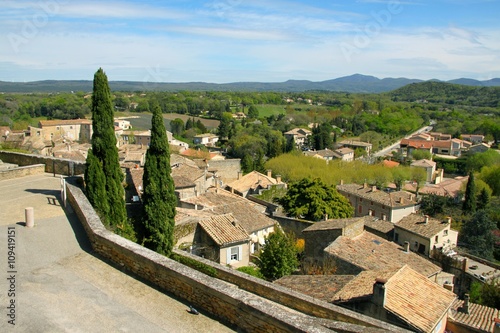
(448, 93)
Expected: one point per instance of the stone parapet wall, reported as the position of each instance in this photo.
(248, 303)
(52, 164)
(237, 307)
(36, 169)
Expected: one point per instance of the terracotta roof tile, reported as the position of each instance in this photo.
(224, 229)
(252, 180)
(392, 199)
(371, 252)
(480, 317)
(323, 287)
(415, 223)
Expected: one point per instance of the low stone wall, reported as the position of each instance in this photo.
(237, 302)
(36, 169)
(52, 164)
(242, 309)
(289, 224)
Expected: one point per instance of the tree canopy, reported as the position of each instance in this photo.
(312, 199)
(279, 256)
(477, 234)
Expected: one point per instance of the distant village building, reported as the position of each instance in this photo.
(367, 147)
(368, 200)
(298, 136)
(206, 139)
(252, 183)
(423, 234)
(71, 129)
(122, 123)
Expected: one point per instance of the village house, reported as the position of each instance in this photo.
(478, 148)
(346, 154)
(367, 147)
(122, 123)
(71, 129)
(248, 214)
(448, 187)
(402, 296)
(222, 239)
(144, 137)
(206, 139)
(474, 138)
(354, 249)
(408, 146)
(423, 234)
(466, 317)
(298, 136)
(368, 200)
(430, 170)
(252, 183)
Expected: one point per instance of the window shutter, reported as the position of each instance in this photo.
(240, 252)
(228, 255)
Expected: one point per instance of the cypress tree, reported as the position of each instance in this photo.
(105, 151)
(159, 200)
(96, 186)
(469, 205)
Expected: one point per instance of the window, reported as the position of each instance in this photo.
(235, 253)
(436, 239)
(360, 209)
(445, 232)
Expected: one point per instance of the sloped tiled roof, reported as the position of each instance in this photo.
(419, 144)
(448, 187)
(392, 199)
(252, 180)
(480, 317)
(248, 214)
(332, 224)
(361, 287)
(323, 287)
(410, 296)
(344, 151)
(371, 252)
(224, 229)
(390, 164)
(60, 122)
(424, 163)
(415, 223)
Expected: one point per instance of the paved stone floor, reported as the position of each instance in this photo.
(60, 286)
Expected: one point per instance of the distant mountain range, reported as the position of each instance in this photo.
(356, 83)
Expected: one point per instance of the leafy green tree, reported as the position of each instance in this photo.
(491, 176)
(105, 151)
(225, 129)
(469, 205)
(159, 200)
(484, 198)
(199, 125)
(321, 137)
(313, 199)
(253, 113)
(95, 186)
(477, 234)
(418, 154)
(177, 126)
(279, 256)
(399, 176)
(477, 161)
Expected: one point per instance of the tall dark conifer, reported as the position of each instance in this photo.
(159, 198)
(105, 151)
(469, 205)
(96, 187)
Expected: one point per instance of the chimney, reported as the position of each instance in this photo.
(465, 264)
(341, 182)
(426, 219)
(378, 297)
(365, 185)
(240, 174)
(465, 307)
(407, 247)
(269, 173)
(278, 179)
(326, 217)
(448, 219)
(374, 188)
(410, 197)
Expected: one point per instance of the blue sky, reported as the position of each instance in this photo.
(248, 40)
